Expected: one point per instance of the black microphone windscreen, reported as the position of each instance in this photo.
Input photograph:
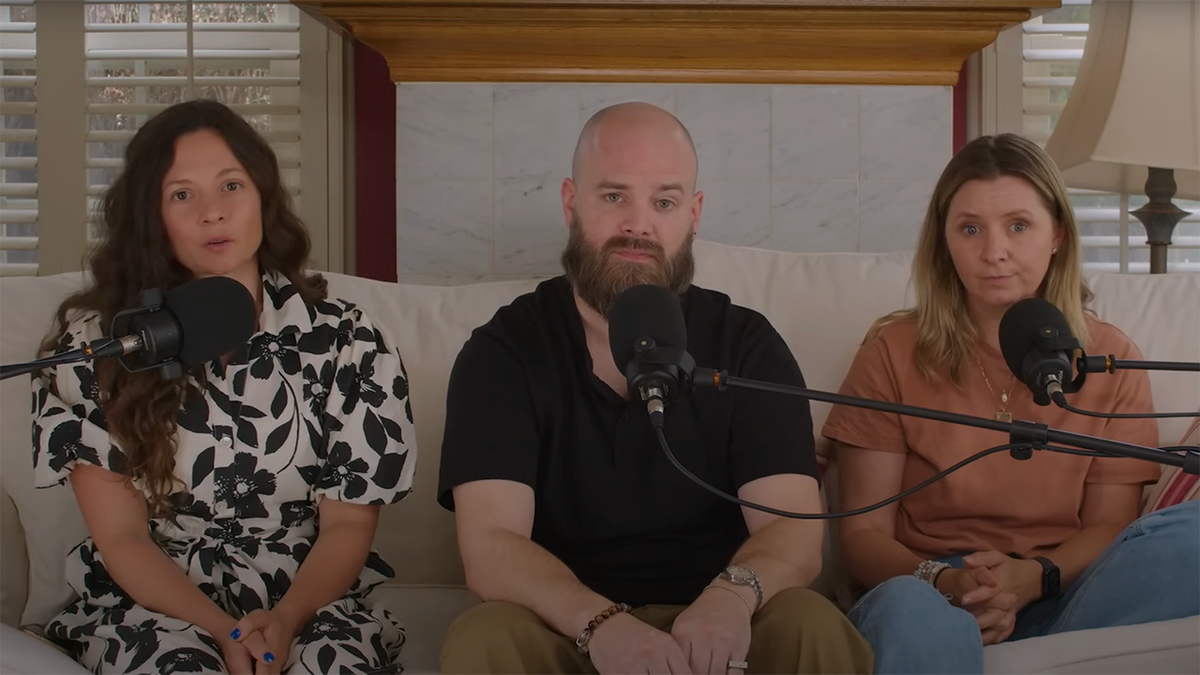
(1020, 327)
(645, 311)
(216, 316)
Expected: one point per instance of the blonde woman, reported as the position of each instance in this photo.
(1002, 549)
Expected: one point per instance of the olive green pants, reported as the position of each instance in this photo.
(797, 631)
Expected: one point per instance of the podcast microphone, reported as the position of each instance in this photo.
(645, 317)
(195, 322)
(1040, 350)
(648, 339)
(1038, 347)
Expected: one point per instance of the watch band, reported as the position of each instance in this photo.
(1051, 577)
(744, 577)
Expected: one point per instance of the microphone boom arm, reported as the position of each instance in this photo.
(1019, 432)
(1111, 364)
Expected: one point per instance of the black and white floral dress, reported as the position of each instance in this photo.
(314, 407)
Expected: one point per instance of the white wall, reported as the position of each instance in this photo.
(806, 168)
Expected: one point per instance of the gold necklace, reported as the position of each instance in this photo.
(1002, 414)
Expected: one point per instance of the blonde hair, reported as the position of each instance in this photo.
(946, 336)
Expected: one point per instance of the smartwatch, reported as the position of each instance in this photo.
(1051, 579)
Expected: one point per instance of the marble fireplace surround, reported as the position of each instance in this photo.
(821, 126)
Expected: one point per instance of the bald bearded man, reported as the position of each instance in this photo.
(593, 553)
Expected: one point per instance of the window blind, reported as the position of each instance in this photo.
(18, 138)
(1113, 241)
(116, 64)
(144, 57)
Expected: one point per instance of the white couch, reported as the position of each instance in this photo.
(822, 304)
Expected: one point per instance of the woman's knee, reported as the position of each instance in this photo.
(1169, 533)
(906, 604)
(1183, 518)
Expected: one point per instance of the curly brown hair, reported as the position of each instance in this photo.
(141, 409)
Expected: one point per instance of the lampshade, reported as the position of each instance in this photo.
(1136, 101)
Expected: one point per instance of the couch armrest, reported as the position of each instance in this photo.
(14, 563)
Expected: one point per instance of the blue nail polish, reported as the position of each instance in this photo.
(269, 657)
(237, 632)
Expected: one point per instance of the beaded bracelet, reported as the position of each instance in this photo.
(586, 635)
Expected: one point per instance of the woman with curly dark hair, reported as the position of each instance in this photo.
(204, 495)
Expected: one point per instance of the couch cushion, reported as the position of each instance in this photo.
(1175, 487)
(430, 324)
(819, 303)
(24, 654)
(1160, 647)
(425, 611)
(14, 565)
(50, 518)
(1161, 314)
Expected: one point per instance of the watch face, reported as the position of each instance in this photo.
(1053, 581)
(740, 575)
(1050, 578)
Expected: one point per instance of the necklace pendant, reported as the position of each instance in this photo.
(1004, 416)
(1004, 397)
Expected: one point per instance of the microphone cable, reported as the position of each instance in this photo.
(662, 441)
(1060, 399)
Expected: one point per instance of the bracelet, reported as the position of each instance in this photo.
(928, 570)
(937, 574)
(739, 595)
(586, 635)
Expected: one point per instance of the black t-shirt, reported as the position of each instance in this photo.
(524, 405)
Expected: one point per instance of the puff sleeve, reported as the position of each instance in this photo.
(370, 450)
(68, 423)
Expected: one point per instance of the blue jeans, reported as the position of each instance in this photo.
(1150, 572)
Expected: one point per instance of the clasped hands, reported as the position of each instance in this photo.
(993, 587)
(705, 637)
(259, 643)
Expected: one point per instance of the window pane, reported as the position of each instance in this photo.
(141, 60)
(18, 139)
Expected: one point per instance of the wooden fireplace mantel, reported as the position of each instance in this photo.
(731, 41)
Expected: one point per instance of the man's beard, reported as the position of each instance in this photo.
(598, 276)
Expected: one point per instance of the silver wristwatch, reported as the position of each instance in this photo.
(744, 576)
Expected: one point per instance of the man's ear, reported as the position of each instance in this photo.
(568, 200)
(697, 207)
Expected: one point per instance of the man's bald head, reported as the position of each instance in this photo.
(618, 127)
(631, 204)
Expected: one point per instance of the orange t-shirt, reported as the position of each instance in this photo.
(1013, 506)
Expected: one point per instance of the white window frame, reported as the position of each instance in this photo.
(62, 146)
(996, 105)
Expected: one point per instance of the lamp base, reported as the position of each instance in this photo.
(1159, 216)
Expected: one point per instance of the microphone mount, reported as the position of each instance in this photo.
(157, 333)
(657, 374)
(1047, 367)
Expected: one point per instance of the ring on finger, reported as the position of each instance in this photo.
(738, 665)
